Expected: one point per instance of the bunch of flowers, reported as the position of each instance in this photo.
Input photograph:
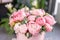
(31, 22)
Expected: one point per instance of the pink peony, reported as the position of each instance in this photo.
(11, 21)
(38, 12)
(18, 16)
(31, 22)
(23, 28)
(20, 28)
(22, 13)
(50, 19)
(40, 21)
(31, 17)
(25, 11)
(16, 28)
(33, 28)
(14, 14)
(48, 27)
(42, 12)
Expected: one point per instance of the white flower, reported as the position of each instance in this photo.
(9, 6)
(34, 3)
(26, 8)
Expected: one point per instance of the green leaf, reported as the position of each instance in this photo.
(8, 14)
(43, 28)
(24, 21)
(31, 1)
(5, 24)
(21, 6)
(42, 4)
(28, 35)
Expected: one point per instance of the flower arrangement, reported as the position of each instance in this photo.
(16, 5)
(31, 22)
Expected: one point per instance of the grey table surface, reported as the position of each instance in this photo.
(55, 35)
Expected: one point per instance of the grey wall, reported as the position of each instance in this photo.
(51, 6)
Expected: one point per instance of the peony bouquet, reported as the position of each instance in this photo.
(31, 22)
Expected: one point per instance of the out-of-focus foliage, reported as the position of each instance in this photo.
(4, 24)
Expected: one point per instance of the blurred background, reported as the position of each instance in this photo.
(50, 6)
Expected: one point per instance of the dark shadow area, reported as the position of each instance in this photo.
(3, 11)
